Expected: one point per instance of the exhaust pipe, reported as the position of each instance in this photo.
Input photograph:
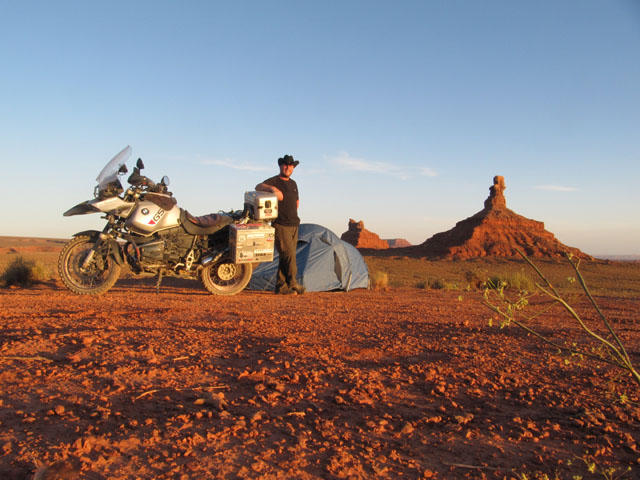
(207, 259)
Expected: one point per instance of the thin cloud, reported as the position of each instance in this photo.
(234, 165)
(347, 162)
(355, 164)
(556, 188)
(427, 172)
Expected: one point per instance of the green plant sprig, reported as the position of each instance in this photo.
(618, 355)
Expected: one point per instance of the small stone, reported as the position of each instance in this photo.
(464, 419)
(218, 401)
(257, 416)
(407, 429)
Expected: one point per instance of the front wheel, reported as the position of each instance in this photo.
(225, 277)
(98, 277)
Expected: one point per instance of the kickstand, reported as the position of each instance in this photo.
(159, 282)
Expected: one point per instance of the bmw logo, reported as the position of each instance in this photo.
(145, 211)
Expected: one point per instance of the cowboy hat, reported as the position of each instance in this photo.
(288, 160)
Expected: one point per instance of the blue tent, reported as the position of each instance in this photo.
(325, 262)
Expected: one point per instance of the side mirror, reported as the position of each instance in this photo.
(140, 164)
(165, 181)
(123, 169)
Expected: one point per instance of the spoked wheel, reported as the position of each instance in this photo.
(225, 277)
(98, 277)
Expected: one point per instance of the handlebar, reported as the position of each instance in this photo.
(136, 180)
(140, 181)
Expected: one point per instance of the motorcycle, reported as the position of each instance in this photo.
(149, 233)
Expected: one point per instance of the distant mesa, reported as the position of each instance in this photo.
(495, 231)
(360, 237)
(397, 242)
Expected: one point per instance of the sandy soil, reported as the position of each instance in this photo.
(403, 383)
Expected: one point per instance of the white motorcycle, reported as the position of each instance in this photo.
(147, 231)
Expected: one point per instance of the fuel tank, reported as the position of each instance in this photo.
(149, 218)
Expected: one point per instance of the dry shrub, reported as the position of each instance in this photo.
(436, 284)
(518, 281)
(379, 280)
(24, 273)
(475, 279)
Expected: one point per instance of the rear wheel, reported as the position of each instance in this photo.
(98, 277)
(225, 277)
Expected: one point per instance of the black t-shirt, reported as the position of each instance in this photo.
(288, 206)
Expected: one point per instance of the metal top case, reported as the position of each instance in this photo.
(263, 205)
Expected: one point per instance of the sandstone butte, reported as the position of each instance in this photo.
(495, 231)
(360, 237)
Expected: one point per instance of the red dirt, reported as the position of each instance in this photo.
(28, 249)
(367, 384)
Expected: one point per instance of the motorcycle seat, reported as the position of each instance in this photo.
(205, 224)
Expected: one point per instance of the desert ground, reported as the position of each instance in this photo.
(395, 382)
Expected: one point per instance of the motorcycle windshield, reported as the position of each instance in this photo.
(110, 172)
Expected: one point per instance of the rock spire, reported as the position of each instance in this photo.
(494, 231)
(496, 197)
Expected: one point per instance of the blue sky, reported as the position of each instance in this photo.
(400, 112)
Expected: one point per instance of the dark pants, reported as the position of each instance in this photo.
(286, 243)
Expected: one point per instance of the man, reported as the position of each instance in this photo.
(286, 225)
